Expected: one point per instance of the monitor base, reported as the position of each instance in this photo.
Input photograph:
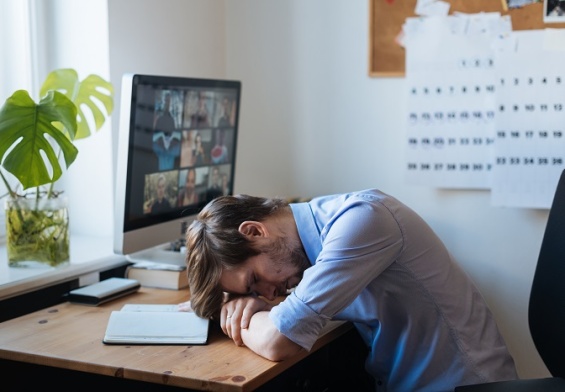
(166, 253)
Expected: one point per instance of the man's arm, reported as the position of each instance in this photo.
(246, 321)
(264, 338)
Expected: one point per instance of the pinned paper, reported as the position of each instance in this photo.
(432, 8)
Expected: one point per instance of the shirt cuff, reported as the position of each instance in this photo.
(304, 332)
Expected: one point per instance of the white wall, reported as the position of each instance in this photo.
(313, 122)
(171, 37)
(74, 34)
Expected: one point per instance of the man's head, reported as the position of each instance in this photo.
(242, 245)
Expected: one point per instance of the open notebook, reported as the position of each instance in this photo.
(155, 324)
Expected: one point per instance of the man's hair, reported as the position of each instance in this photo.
(214, 242)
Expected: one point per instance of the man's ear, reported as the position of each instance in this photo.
(253, 229)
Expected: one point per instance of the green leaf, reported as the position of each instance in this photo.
(85, 95)
(23, 129)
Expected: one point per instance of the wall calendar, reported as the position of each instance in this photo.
(486, 108)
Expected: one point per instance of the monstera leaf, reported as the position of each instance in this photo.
(28, 130)
(84, 95)
(36, 138)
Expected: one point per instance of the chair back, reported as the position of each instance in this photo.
(546, 311)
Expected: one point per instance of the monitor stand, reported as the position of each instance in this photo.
(168, 253)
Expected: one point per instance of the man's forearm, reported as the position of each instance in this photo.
(263, 338)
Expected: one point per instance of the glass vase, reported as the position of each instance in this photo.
(37, 232)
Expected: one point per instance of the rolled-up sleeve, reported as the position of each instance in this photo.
(302, 326)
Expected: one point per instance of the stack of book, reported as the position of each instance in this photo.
(158, 275)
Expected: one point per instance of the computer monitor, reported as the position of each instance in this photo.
(176, 152)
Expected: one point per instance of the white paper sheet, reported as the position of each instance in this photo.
(451, 99)
(530, 136)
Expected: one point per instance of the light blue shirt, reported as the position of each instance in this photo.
(376, 263)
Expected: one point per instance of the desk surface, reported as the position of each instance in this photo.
(69, 336)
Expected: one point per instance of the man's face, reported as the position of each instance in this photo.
(269, 274)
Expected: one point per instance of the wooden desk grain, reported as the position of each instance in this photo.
(69, 336)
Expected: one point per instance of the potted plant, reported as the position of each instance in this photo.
(36, 148)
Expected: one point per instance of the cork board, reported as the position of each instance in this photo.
(386, 17)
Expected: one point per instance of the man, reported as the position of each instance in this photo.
(166, 140)
(161, 202)
(225, 119)
(363, 257)
(165, 121)
(199, 119)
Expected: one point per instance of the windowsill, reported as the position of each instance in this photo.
(89, 255)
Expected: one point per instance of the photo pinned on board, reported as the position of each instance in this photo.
(554, 11)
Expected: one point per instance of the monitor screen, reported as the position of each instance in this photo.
(176, 152)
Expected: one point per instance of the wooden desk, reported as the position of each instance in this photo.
(69, 336)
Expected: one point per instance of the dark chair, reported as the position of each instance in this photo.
(546, 311)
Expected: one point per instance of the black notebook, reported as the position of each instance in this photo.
(103, 291)
(155, 324)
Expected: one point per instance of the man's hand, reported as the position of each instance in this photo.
(246, 321)
(236, 315)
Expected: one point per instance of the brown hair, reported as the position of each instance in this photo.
(214, 242)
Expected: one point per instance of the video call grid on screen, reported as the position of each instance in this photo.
(182, 147)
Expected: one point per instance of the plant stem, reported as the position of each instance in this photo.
(10, 191)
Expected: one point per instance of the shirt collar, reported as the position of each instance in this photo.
(307, 230)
